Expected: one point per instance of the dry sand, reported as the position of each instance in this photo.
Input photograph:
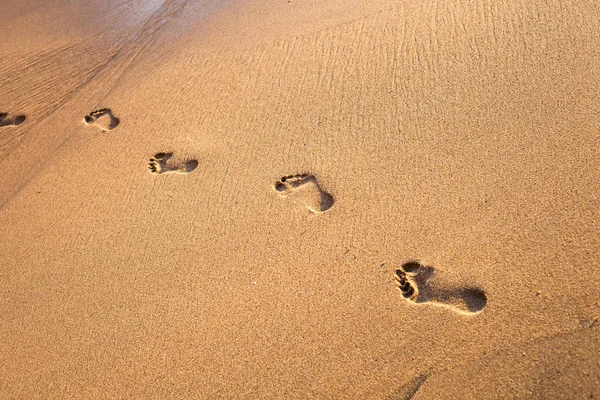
(235, 220)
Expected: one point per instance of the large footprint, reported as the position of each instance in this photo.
(162, 163)
(14, 120)
(305, 189)
(418, 284)
(102, 119)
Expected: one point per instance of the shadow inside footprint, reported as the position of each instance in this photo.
(306, 190)
(409, 389)
(103, 119)
(162, 163)
(416, 284)
(6, 120)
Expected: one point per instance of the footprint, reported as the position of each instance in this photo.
(410, 389)
(161, 163)
(103, 119)
(6, 120)
(305, 189)
(418, 284)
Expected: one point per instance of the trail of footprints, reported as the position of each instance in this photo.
(415, 281)
(160, 163)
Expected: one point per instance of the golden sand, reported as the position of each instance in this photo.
(299, 199)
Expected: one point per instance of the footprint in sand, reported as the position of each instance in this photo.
(162, 163)
(305, 189)
(103, 119)
(13, 120)
(418, 284)
(409, 389)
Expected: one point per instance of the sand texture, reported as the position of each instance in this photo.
(285, 199)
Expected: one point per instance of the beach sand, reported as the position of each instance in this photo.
(222, 199)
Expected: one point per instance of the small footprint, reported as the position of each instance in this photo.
(162, 163)
(417, 284)
(103, 119)
(6, 120)
(305, 189)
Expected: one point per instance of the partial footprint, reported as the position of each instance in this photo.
(103, 119)
(418, 284)
(410, 389)
(162, 163)
(12, 120)
(305, 189)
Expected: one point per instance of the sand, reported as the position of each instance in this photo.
(299, 199)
